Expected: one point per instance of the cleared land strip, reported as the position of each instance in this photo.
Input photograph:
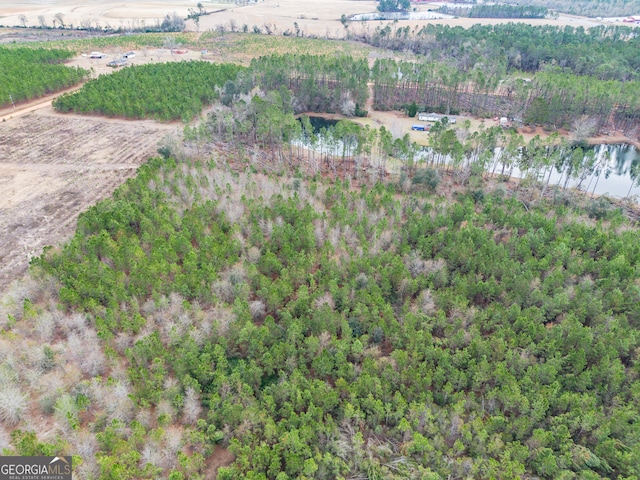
(53, 167)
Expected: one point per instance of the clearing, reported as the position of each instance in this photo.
(53, 168)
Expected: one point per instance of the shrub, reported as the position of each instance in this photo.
(599, 208)
(427, 177)
(412, 109)
(12, 404)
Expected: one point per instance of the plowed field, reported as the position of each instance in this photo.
(52, 167)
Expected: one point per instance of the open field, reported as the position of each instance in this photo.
(323, 18)
(317, 18)
(95, 13)
(54, 167)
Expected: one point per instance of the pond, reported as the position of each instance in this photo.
(613, 178)
(321, 143)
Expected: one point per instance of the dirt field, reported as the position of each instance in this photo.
(53, 167)
(322, 18)
(319, 18)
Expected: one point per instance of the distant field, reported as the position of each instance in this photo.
(308, 17)
(95, 13)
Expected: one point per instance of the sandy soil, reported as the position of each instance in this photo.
(143, 56)
(95, 13)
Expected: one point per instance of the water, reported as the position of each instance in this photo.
(614, 178)
(318, 123)
(322, 143)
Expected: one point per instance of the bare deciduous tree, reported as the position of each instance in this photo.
(583, 128)
(12, 404)
(192, 406)
(348, 107)
(60, 18)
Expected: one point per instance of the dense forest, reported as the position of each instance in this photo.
(318, 330)
(28, 73)
(162, 91)
(318, 83)
(520, 47)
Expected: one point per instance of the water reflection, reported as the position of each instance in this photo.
(613, 177)
(318, 123)
(613, 170)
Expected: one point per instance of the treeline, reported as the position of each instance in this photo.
(496, 11)
(589, 8)
(179, 90)
(606, 52)
(163, 91)
(557, 99)
(27, 73)
(322, 331)
(324, 83)
(551, 98)
(267, 130)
